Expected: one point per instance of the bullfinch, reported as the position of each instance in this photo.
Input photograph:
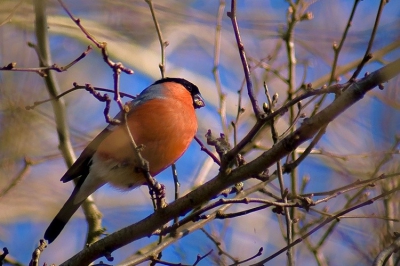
(161, 118)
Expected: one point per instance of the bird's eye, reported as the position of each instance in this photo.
(198, 101)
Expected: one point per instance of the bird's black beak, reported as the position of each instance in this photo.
(198, 101)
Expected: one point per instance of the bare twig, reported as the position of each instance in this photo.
(42, 70)
(221, 144)
(368, 54)
(36, 254)
(294, 14)
(215, 70)
(240, 111)
(284, 194)
(9, 17)
(78, 23)
(288, 167)
(259, 253)
(354, 185)
(3, 256)
(338, 48)
(163, 44)
(176, 185)
(379, 56)
(106, 99)
(207, 151)
(198, 259)
(218, 244)
(117, 67)
(232, 15)
(87, 87)
(221, 215)
(293, 123)
(24, 171)
(268, 68)
(155, 188)
(101, 45)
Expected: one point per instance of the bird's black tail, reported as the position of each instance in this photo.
(61, 219)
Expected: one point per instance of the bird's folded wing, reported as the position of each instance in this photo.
(82, 164)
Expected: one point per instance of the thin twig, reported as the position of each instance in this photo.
(215, 69)
(198, 259)
(18, 178)
(9, 17)
(176, 186)
(259, 253)
(153, 185)
(207, 151)
(221, 215)
(218, 244)
(293, 122)
(276, 71)
(232, 15)
(379, 56)
(368, 55)
(37, 252)
(3, 256)
(279, 173)
(356, 184)
(42, 70)
(292, 19)
(287, 168)
(116, 75)
(107, 100)
(78, 23)
(77, 87)
(338, 48)
(240, 110)
(163, 44)
(101, 45)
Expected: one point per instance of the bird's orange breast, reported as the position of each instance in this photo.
(165, 127)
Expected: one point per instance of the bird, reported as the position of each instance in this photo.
(162, 121)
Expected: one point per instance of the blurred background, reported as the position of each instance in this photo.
(360, 144)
